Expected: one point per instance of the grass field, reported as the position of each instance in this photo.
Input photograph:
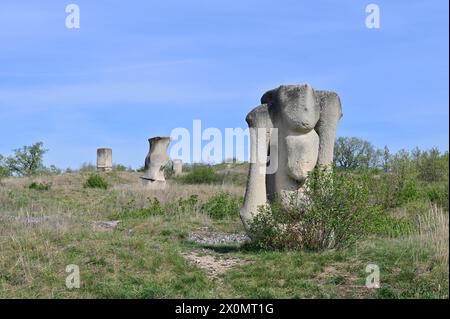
(150, 254)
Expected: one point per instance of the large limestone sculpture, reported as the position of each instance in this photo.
(104, 159)
(295, 127)
(155, 162)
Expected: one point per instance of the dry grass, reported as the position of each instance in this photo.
(43, 231)
(433, 233)
(144, 256)
(68, 197)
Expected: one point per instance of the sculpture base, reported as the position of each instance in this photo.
(152, 184)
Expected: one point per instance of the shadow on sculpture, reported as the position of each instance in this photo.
(295, 128)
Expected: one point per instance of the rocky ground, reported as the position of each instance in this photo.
(207, 237)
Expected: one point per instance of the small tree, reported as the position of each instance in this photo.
(4, 170)
(400, 184)
(386, 158)
(432, 166)
(27, 160)
(54, 170)
(355, 153)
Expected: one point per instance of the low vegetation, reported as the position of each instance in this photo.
(222, 205)
(334, 214)
(201, 174)
(393, 214)
(40, 186)
(96, 181)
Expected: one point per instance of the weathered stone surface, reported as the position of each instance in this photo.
(304, 122)
(155, 162)
(260, 124)
(104, 159)
(177, 167)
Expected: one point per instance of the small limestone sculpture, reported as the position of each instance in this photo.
(104, 159)
(155, 162)
(177, 167)
(295, 127)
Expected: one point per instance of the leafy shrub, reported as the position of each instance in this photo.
(437, 193)
(432, 166)
(399, 185)
(222, 205)
(333, 212)
(155, 208)
(96, 181)
(40, 186)
(392, 190)
(201, 174)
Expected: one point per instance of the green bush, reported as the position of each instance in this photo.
(437, 193)
(40, 186)
(201, 174)
(397, 187)
(392, 190)
(96, 181)
(431, 165)
(222, 205)
(333, 212)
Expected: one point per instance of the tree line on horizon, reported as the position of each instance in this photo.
(350, 154)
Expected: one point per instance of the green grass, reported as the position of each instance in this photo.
(144, 256)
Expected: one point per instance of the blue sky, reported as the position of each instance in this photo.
(137, 69)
